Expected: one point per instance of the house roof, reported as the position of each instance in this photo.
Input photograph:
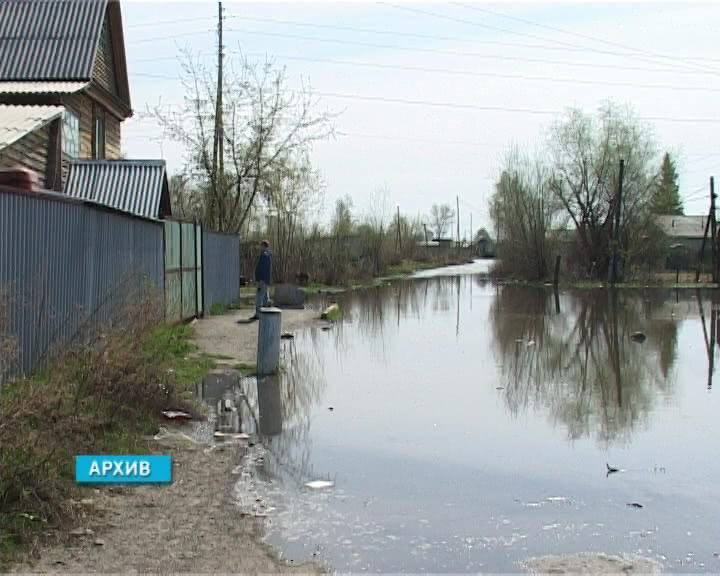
(49, 39)
(23, 87)
(682, 226)
(57, 40)
(17, 121)
(139, 187)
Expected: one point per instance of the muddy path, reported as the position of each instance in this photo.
(191, 526)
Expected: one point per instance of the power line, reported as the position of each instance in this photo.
(494, 74)
(445, 52)
(169, 36)
(460, 73)
(462, 106)
(168, 22)
(478, 107)
(447, 38)
(516, 33)
(571, 33)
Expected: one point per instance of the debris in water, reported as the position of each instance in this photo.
(531, 343)
(635, 505)
(81, 532)
(241, 436)
(176, 415)
(331, 408)
(326, 328)
(99, 542)
(319, 484)
(500, 388)
(331, 312)
(638, 337)
(286, 336)
(610, 469)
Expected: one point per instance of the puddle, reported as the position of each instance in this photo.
(454, 446)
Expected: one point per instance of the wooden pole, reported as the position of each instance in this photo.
(713, 231)
(556, 275)
(399, 238)
(426, 240)
(457, 217)
(268, 346)
(613, 272)
(702, 249)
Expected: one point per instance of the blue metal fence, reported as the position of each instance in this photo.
(64, 262)
(221, 268)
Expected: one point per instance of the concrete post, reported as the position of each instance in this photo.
(268, 346)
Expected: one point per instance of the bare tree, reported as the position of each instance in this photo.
(522, 209)
(586, 153)
(441, 216)
(293, 190)
(265, 126)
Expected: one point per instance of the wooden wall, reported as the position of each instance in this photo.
(31, 152)
(82, 105)
(104, 68)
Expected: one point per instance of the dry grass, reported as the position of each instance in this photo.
(103, 393)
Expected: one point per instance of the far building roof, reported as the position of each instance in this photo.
(682, 226)
(138, 187)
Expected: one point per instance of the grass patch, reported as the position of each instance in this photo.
(103, 395)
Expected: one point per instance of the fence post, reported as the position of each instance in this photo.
(268, 346)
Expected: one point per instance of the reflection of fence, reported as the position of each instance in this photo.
(67, 265)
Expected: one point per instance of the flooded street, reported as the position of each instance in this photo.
(469, 427)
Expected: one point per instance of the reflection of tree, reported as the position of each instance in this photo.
(582, 364)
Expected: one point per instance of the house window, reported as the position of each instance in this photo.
(98, 140)
(71, 134)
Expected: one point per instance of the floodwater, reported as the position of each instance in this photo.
(468, 427)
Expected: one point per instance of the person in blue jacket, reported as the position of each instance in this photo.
(263, 272)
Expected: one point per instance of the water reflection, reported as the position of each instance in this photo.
(582, 365)
(445, 388)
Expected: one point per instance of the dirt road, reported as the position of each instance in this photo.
(191, 526)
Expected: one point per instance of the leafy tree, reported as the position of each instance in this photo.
(666, 198)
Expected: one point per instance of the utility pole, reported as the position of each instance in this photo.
(426, 240)
(457, 202)
(399, 237)
(472, 234)
(218, 147)
(713, 231)
(612, 272)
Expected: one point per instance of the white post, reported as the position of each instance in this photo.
(268, 346)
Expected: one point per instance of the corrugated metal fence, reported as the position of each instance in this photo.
(221, 267)
(63, 263)
(66, 265)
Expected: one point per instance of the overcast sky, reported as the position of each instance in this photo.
(663, 59)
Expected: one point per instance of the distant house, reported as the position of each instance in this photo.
(685, 235)
(687, 231)
(64, 88)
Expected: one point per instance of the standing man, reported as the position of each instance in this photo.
(263, 271)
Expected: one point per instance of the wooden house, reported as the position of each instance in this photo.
(64, 89)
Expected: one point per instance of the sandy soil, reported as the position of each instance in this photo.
(192, 526)
(237, 343)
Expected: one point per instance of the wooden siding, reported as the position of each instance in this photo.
(104, 67)
(82, 106)
(29, 152)
(112, 137)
